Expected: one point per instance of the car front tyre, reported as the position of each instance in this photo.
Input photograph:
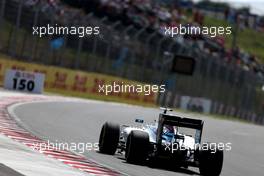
(109, 138)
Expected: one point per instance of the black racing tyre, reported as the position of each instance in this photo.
(137, 146)
(109, 138)
(210, 161)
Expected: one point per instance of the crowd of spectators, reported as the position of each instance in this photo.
(155, 16)
(141, 13)
(56, 9)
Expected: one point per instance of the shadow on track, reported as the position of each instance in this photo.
(162, 166)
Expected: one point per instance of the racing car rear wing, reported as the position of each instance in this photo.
(173, 120)
(181, 121)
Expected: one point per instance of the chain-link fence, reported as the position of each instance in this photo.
(125, 51)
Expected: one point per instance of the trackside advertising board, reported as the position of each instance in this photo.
(24, 81)
(76, 83)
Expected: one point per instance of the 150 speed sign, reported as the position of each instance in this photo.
(24, 81)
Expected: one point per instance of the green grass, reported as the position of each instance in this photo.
(247, 39)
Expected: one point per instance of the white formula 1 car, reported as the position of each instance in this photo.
(166, 139)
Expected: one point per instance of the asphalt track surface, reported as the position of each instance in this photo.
(81, 122)
(7, 171)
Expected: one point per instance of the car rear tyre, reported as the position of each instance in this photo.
(109, 138)
(210, 161)
(137, 147)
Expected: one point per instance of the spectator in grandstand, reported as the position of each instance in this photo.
(198, 17)
(31, 2)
